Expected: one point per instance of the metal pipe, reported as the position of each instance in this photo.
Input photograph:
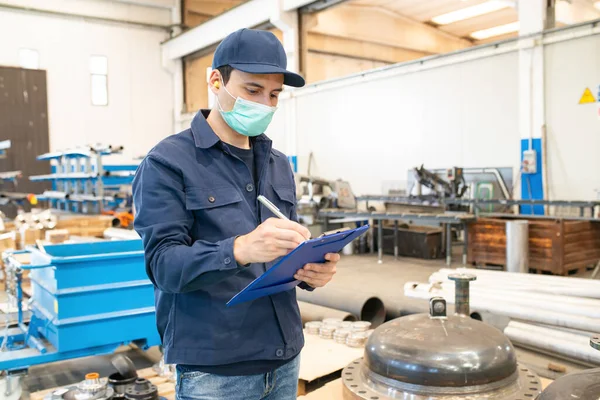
(366, 306)
(566, 304)
(461, 292)
(571, 345)
(532, 300)
(513, 310)
(481, 274)
(517, 246)
(314, 312)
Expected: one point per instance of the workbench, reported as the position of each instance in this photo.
(447, 220)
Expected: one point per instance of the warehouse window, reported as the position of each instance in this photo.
(99, 71)
(29, 59)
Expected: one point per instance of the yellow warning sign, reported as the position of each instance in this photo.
(587, 97)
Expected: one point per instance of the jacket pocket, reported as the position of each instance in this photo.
(219, 213)
(202, 199)
(286, 199)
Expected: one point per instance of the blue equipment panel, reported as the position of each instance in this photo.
(87, 299)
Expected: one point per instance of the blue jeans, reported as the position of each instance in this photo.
(280, 384)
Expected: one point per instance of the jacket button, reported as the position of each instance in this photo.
(279, 353)
(227, 261)
(211, 199)
(249, 187)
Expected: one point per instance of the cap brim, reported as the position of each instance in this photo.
(289, 78)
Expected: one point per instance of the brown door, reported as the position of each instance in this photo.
(23, 121)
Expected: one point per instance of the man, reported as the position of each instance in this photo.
(206, 236)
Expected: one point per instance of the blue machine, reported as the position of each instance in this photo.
(87, 299)
(81, 182)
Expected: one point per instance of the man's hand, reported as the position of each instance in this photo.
(272, 239)
(318, 275)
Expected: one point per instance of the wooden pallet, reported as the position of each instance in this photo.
(555, 246)
(166, 389)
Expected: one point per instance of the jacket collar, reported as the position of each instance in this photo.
(205, 137)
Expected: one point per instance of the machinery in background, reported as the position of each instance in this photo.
(437, 356)
(455, 187)
(87, 299)
(314, 194)
(82, 183)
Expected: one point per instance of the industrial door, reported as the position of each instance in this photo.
(23, 121)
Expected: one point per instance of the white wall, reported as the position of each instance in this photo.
(463, 114)
(140, 109)
(573, 129)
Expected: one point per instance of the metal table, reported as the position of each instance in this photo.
(446, 220)
(477, 203)
(582, 205)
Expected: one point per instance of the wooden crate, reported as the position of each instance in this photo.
(555, 246)
(86, 225)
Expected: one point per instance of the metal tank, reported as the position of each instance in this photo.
(583, 385)
(440, 357)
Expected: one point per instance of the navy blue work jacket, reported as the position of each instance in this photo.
(192, 199)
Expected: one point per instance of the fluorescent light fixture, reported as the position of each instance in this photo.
(597, 5)
(470, 12)
(496, 31)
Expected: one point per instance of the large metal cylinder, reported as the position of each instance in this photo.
(314, 312)
(517, 246)
(366, 306)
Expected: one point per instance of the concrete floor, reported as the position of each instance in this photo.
(360, 273)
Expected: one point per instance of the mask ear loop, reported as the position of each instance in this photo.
(227, 91)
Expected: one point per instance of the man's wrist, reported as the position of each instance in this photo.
(238, 251)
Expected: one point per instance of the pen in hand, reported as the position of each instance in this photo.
(271, 207)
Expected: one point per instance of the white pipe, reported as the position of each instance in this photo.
(515, 311)
(588, 310)
(578, 289)
(583, 292)
(576, 336)
(573, 347)
(519, 276)
(526, 295)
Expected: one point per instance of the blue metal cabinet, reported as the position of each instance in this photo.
(86, 298)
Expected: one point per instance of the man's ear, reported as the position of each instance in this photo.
(214, 81)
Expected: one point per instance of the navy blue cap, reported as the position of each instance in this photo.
(255, 52)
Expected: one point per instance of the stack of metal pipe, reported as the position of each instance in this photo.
(551, 314)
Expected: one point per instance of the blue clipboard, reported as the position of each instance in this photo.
(280, 277)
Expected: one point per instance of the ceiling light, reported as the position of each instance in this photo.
(470, 12)
(597, 5)
(496, 31)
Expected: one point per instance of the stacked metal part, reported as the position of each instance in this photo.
(564, 311)
(122, 385)
(81, 182)
(351, 333)
(439, 357)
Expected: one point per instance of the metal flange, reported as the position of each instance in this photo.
(525, 384)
